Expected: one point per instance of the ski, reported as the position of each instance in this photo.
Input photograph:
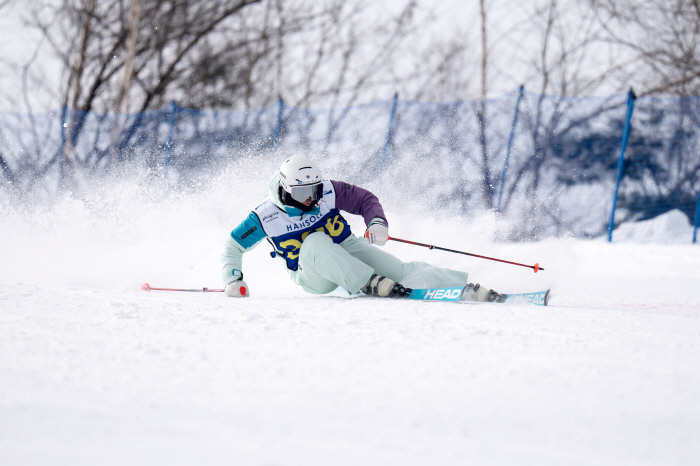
(538, 298)
(437, 294)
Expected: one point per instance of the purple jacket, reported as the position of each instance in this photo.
(357, 201)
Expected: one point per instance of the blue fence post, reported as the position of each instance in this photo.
(278, 125)
(64, 126)
(389, 133)
(169, 144)
(508, 147)
(697, 219)
(631, 97)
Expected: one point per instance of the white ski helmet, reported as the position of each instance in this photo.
(300, 179)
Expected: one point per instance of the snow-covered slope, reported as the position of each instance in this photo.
(95, 371)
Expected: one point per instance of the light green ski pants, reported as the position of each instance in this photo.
(325, 265)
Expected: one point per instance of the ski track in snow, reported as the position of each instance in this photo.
(95, 371)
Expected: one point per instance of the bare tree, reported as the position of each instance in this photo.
(148, 44)
(441, 72)
(663, 39)
(221, 54)
(126, 55)
(136, 55)
(568, 36)
(122, 102)
(487, 184)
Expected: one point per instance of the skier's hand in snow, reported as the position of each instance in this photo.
(377, 232)
(237, 289)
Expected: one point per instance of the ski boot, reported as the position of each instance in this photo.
(481, 294)
(385, 288)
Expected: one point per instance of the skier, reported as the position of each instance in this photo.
(302, 221)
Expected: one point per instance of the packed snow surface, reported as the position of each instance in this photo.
(95, 371)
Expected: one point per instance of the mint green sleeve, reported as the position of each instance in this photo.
(243, 238)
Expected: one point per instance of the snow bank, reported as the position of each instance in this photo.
(672, 227)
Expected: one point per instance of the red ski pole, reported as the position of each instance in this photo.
(147, 287)
(536, 267)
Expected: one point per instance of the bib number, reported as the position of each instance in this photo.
(334, 227)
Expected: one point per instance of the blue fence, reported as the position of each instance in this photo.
(547, 165)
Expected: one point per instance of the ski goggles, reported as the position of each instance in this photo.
(303, 192)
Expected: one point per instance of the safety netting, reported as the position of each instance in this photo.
(542, 165)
